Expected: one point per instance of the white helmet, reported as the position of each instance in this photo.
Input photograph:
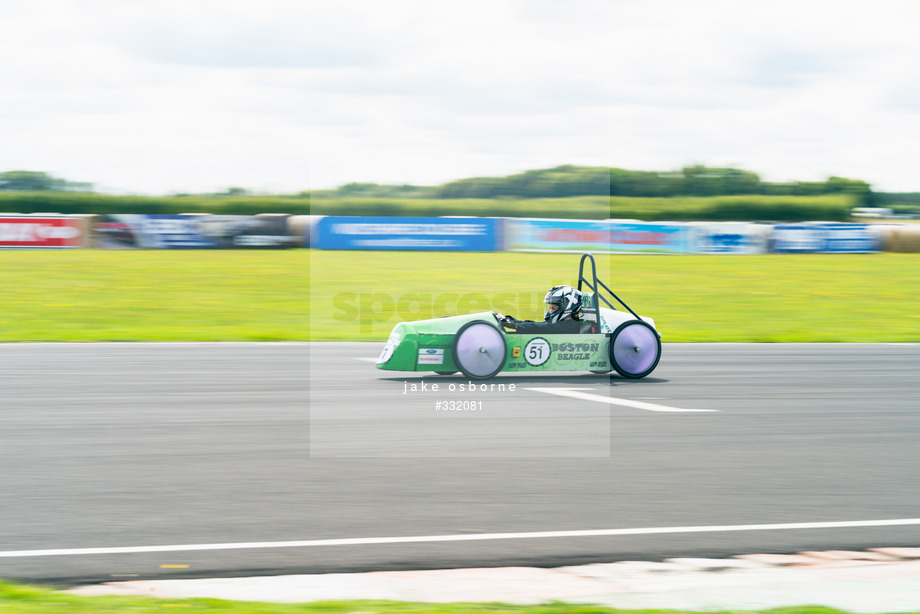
(567, 300)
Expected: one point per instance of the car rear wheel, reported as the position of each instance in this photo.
(479, 350)
(635, 349)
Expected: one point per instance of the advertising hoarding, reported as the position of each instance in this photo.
(42, 232)
(408, 233)
(728, 238)
(823, 238)
(596, 236)
(193, 232)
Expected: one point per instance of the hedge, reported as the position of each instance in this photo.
(755, 208)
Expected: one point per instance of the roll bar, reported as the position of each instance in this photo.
(594, 283)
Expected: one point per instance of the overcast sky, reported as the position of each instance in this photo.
(162, 96)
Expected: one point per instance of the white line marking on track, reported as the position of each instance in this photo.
(366, 359)
(363, 541)
(576, 393)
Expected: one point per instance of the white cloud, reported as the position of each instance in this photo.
(168, 95)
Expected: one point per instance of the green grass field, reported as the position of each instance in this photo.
(768, 298)
(112, 295)
(298, 295)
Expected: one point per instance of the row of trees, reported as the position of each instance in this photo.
(36, 181)
(558, 182)
(565, 181)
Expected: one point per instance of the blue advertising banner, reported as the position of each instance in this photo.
(823, 238)
(728, 238)
(408, 233)
(599, 237)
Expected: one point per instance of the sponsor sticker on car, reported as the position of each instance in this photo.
(431, 356)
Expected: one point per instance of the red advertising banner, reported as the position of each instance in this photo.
(42, 231)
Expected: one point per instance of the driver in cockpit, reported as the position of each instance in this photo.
(563, 314)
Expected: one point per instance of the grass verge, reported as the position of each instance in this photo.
(19, 599)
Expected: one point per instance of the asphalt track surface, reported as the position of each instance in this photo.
(134, 445)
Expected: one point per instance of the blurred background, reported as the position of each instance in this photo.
(741, 139)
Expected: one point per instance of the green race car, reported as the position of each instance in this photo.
(478, 345)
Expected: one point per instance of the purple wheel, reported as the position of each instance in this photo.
(635, 349)
(479, 350)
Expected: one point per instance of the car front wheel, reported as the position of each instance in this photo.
(479, 350)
